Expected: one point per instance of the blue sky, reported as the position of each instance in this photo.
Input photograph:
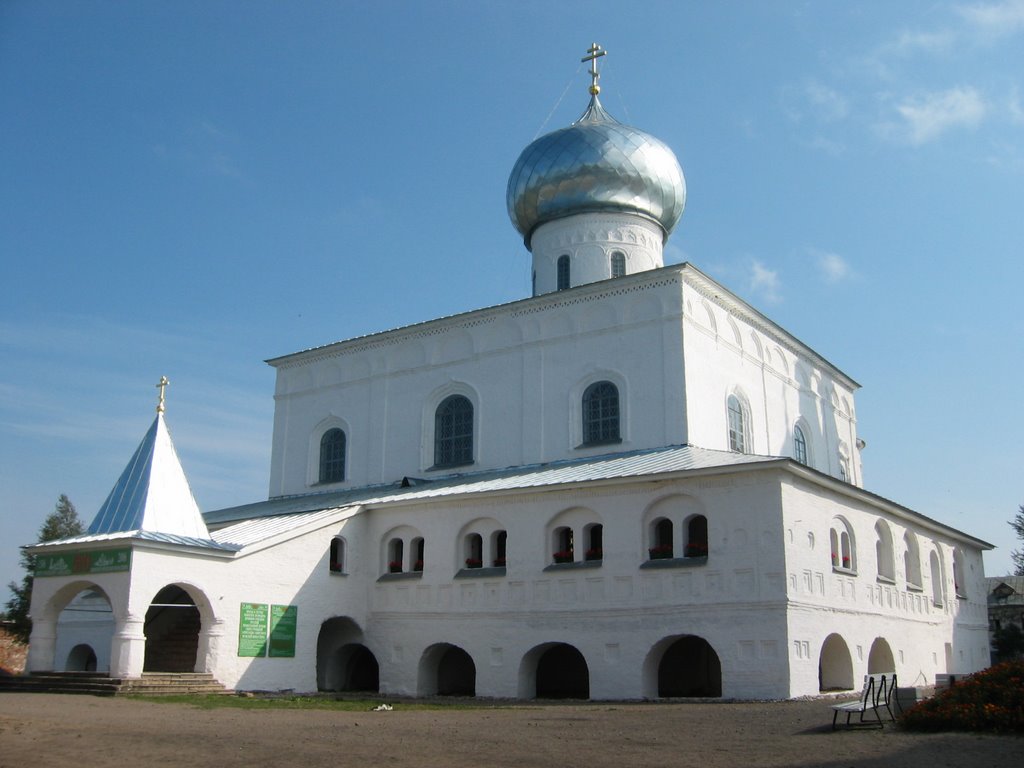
(189, 188)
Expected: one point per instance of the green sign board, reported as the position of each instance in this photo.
(252, 630)
(283, 620)
(81, 563)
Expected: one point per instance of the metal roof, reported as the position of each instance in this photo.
(605, 467)
(259, 529)
(138, 535)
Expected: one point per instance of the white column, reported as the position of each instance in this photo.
(128, 647)
(210, 645)
(41, 645)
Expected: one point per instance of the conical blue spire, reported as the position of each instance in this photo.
(152, 493)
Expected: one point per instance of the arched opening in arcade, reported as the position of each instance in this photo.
(835, 665)
(172, 631)
(690, 667)
(81, 659)
(562, 673)
(85, 628)
(880, 658)
(447, 670)
(343, 663)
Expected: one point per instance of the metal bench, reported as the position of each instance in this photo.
(878, 692)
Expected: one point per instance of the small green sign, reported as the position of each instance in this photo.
(80, 563)
(283, 621)
(252, 630)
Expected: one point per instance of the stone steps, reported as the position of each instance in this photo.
(150, 684)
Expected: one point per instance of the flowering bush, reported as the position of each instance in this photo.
(395, 566)
(565, 556)
(696, 550)
(474, 562)
(594, 554)
(660, 552)
(990, 700)
(499, 562)
(418, 565)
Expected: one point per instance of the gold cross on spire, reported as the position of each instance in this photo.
(595, 52)
(164, 381)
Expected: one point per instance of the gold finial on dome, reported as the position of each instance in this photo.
(164, 381)
(595, 52)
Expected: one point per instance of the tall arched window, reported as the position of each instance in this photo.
(595, 542)
(336, 561)
(737, 425)
(618, 263)
(959, 582)
(453, 432)
(696, 537)
(332, 456)
(661, 540)
(911, 560)
(799, 445)
(601, 413)
(936, 569)
(883, 552)
(563, 272)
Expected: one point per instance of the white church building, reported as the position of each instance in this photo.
(631, 484)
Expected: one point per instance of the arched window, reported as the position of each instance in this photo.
(959, 583)
(696, 537)
(595, 542)
(565, 551)
(800, 445)
(453, 432)
(618, 263)
(474, 551)
(884, 553)
(936, 569)
(563, 272)
(417, 553)
(332, 456)
(601, 413)
(336, 562)
(661, 540)
(500, 545)
(737, 425)
(844, 550)
(396, 555)
(911, 560)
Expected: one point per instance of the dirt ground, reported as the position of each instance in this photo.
(38, 729)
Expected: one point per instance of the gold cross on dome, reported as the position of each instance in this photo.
(595, 52)
(164, 381)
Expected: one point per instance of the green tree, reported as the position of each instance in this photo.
(1018, 554)
(1008, 642)
(59, 524)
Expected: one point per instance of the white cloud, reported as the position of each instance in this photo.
(1013, 106)
(765, 282)
(832, 266)
(909, 43)
(995, 20)
(927, 117)
(828, 104)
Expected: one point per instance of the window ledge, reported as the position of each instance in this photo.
(337, 573)
(597, 443)
(442, 467)
(675, 562)
(574, 565)
(884, 579)
(914, 588)
(960, 596)
(480, 573)
(403, 576)
(844, 571)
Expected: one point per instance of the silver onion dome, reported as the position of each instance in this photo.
(595, 165)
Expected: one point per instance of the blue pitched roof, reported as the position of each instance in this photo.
(125, 507)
